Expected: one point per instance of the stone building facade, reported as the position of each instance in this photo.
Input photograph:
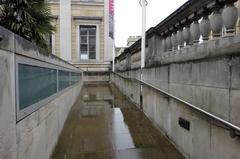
(84, 32)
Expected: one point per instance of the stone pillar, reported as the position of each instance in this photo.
(205, 28)
(195, 31)
(230, 17)
(180, 38)
(169, 43)
(174, 41)
(187, 35)
(216, 23)
(65, 30)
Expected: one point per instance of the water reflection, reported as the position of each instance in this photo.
(121, 135)
(104, 124)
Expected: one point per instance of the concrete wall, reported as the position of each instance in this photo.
(206, 75)
(35, 136)
(96, 76)
(130, 88)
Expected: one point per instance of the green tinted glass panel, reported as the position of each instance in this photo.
(63, 79)
(35, 84)
(75, 78)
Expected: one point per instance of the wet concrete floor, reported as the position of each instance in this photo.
(103, 124)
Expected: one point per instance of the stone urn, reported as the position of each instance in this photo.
(230, 17)
(180, 38)
(205, 28)
(216, 23)
(195, 31)
(174, 41)
(187, 35)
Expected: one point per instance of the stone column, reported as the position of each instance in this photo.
(65, 30)
(174, 41)
(205, 28)
(187, 35)
(230, 17)
(180, 38)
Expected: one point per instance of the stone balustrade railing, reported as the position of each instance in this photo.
(195, 22)
(208, 19)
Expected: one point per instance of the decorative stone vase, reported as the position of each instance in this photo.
(230, 17)
(174, 41)
(216, 23)
(195, 31)
(187, 35)
(205, 28)
(180, 38)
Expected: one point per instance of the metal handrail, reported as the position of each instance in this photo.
(234, 130)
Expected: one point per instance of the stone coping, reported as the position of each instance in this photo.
(215, 48)
(17, 45)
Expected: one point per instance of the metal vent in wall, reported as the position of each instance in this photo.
(184, 123)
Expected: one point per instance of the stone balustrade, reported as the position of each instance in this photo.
(195, 22)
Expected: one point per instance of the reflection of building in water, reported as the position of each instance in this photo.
(84, 32)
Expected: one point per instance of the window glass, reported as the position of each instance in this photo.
(92, 40)
(88, 42)
(83, 39)
(92, 30)
(35, 84)
(92, 48)
(84, 48)
(92, 55)
(83, 30)
(75, 78)
(63, 79)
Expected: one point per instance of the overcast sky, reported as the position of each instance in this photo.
(128, 16)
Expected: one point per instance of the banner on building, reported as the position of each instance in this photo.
(111, 19)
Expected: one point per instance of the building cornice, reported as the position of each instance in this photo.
(87, 18)
(87, 3)
(77, 2)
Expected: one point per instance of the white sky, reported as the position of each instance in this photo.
(128, 16)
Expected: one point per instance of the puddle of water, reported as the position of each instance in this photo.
(103, 124)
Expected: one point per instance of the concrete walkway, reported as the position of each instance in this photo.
(104, 125)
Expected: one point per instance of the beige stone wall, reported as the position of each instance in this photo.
(79, 10)
(87, 11)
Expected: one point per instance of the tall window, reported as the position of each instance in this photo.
(88, 42)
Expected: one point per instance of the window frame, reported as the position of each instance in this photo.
(21, 114)
(88, 23)
(88, 39)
